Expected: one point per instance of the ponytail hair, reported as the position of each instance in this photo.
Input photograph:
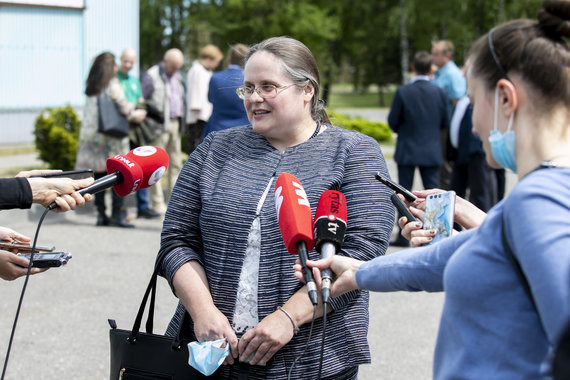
(537, 50)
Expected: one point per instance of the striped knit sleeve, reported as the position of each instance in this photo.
(181, 229)
(370, 213)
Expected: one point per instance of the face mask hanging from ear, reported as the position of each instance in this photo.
(503, 145)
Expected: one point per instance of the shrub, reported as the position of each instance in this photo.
(379, 131)
(57, 136)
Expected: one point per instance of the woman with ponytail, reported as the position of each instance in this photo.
(506, 282)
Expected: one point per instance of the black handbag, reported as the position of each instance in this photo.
(111, 121)
(139, 355)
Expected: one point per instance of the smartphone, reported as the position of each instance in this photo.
(73, 174)
(48, 259)
(439, 212)
(410, 197)
(25, 247)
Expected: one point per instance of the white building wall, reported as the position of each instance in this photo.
(46, 53)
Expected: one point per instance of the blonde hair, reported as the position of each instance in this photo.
(212, 52)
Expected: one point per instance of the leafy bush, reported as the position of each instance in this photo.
(377, 130)
(57, 136)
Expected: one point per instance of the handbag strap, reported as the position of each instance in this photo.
(151, 291)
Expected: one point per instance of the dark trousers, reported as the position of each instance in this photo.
(429, 174)
(117, 211)
(194, 135)
(142, 194)
(475, 176)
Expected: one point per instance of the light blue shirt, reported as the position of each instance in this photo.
(489, 328)
(451, 79)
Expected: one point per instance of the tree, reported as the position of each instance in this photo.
(374, 39)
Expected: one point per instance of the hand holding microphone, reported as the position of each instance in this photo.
(140, 168)
(295, 218)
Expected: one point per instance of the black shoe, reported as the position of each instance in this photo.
(400, 242)
(120, 223)
(102, 220)
(147, 213)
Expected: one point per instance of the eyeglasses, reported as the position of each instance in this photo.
(266, 91)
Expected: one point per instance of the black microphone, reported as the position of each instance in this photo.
(328, 230)
(402, 207)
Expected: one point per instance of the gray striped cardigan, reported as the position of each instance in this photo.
(213, 205)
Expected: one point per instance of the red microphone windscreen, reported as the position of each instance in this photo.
(141, 167)
(332, 205)
(153, 161)
(293, 212)
(131, 171)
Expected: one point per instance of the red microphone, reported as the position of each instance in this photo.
(140, 168)
(295, 219)
(329, 228)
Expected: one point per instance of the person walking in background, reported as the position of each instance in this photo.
(470, 169)
(94, 147)
(164, 91)
(133, 94)
(228, 110)
(418, 113)
(448, 77)
(199, 108)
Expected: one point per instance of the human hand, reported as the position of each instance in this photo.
(9, 235)
(29, 173)
(137, 116)
(62, 191)
(466, 213)
(13, 266)
(344, 269)
(210, 324)
(265, 339)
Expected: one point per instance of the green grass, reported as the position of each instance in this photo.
(343, 97)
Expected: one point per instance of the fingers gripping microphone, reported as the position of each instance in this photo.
(329, 228)
(140, 168)
(295, 218)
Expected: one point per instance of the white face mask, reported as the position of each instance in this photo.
(503, 145)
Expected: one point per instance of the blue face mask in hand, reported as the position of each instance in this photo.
(503, 145)
(207, 357)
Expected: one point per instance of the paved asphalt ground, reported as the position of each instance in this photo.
(62, 331)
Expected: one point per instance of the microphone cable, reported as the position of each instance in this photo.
(323, 339)
(23, 292)
(306, 344)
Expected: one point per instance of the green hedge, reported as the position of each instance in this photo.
(57, 137)
(377, 130)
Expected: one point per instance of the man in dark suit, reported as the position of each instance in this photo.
(418, 114)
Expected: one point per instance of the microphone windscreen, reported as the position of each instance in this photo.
(131, 171)
(293, 212)
(153, 162)
(330, 219)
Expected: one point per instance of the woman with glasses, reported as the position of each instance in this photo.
(226, 260)
(506, 282)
